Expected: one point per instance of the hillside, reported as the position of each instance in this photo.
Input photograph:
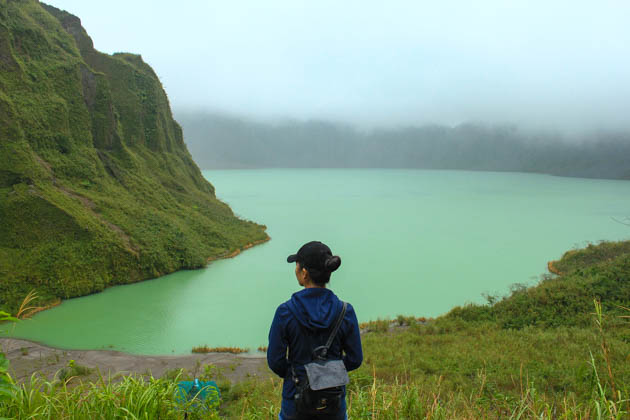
(564, 299)
(96, 184)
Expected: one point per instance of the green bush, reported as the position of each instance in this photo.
(598, 271)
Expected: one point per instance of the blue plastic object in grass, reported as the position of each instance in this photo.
(206, 392)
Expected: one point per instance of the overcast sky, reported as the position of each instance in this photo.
(562, 64)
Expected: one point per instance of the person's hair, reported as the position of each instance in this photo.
(321, 277)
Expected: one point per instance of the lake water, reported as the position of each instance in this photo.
(411, 241)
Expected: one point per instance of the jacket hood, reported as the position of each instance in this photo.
(315, 308)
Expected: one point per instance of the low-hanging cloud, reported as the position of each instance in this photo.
(561, 64)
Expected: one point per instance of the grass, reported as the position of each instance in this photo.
(73, 370)
(367, 397)
(598, 271)
(460, 372)
(206, 349)
(593, 254)
(131, 397)
(375, 399)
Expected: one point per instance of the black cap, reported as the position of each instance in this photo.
(313, 255)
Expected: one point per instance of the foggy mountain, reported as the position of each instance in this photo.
(219, 142)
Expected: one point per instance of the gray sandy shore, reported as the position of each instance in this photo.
(27, 357)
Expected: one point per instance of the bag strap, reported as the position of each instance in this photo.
(333, 333)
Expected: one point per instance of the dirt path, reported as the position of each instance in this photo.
(27, 357)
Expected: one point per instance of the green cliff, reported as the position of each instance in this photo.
(96, 185)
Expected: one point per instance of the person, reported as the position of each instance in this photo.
(305, 321)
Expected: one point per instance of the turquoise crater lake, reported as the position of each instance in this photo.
(411, 241)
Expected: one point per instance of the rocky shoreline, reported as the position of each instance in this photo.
(27, 358)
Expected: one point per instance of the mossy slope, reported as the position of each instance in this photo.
(96, 185)
(599, 272)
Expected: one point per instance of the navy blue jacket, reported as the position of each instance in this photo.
(304, 322)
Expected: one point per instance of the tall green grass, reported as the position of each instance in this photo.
(67, 396)
(131, 397)
(371, 398)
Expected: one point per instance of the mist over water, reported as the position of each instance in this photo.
(411, 242)
(219, 141)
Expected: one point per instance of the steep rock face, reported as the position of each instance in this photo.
(96, 184)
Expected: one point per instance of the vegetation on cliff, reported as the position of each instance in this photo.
(96, 184)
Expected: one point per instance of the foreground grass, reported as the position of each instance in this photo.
(494, 361)
(441, 370)
(558, 350)
(382, 400)
(368, 397)
(130, 398)
(446, 370)
(458, 372)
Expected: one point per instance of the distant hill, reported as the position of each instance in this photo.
(96, 184)
(219, 141)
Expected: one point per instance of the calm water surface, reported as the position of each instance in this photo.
(411, 241)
